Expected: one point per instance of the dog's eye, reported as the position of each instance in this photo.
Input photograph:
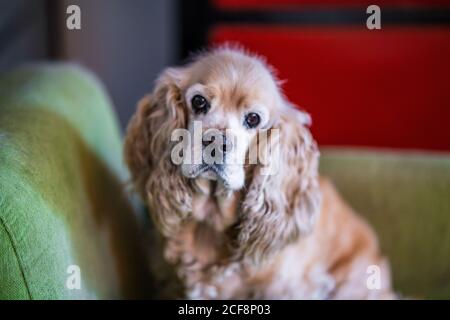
(252, 120)
(199, 104)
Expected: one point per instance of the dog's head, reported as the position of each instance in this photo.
(236, 127)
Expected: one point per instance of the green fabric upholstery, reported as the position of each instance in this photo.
(406, 197)
(61, 190)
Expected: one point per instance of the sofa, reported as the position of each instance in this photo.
(70, 227)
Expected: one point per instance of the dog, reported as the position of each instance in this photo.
(273, 229)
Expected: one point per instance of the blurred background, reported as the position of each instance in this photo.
(379, 88)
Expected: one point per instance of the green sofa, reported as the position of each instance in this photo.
(63, 199)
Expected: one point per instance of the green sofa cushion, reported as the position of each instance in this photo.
(406, 197)
(61, 190)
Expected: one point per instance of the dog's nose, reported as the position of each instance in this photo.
(226, 143)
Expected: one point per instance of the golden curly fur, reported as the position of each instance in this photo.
(247, 234)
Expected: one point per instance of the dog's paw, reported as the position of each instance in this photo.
(324, 285)
(223, 273)
(219, 282)
(202, 291)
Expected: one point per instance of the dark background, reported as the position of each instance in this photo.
(382, 88)
(126, 43)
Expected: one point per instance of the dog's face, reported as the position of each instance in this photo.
(229, 98)
(226, 100)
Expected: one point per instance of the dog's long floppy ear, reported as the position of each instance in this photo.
(148, 148)
(281, 203)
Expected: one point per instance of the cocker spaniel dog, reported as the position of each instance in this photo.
(235, 228)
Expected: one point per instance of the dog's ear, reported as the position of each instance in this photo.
(283, 198)
(148, 148)
(303, 117)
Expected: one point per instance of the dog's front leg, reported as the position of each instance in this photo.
(189, 262)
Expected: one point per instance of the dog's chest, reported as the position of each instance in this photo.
(206, 236)
(215, 207)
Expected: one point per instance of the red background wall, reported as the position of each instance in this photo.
(383, 88)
